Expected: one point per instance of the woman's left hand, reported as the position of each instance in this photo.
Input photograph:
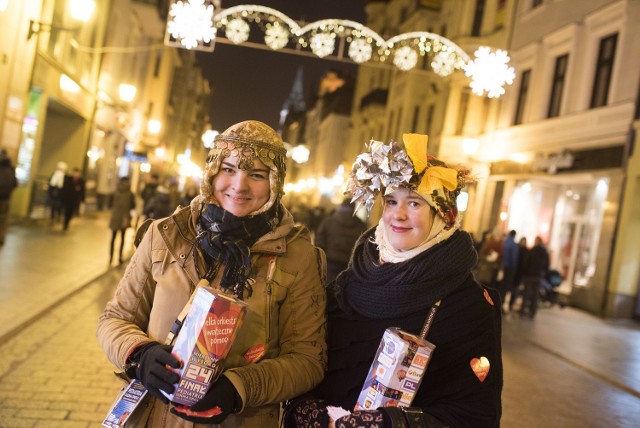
(220, 401)
(361, 418)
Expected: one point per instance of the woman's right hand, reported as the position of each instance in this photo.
(154, 363)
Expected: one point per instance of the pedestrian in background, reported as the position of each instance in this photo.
(8, 182)
(522, 253)
(510, 251)
(159, 206)
(536, 266)
(54, 191)
(72, 195)
(149, 190)
(190, 192)
(238, 237)
(336, 235)
(124, 203)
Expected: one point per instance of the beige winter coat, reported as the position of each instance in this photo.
(285, 312)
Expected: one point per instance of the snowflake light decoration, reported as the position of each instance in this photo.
(489, 72)
(443, 63)
(191, 23)
(237, 30)
(405, 58)
(360, 50)
(276, 36)
(323, 44)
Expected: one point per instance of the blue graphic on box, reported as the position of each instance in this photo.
(125, 405)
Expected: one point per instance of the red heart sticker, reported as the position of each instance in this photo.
(255, 353)
(486, 296)
(480, 367)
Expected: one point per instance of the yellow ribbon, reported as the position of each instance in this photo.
(435, 177)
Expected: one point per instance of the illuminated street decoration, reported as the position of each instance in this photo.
(360, 50)
(490, 72)
(442, 64)
(276, 36)
(323, 44)
(237, 31)
(191, 23)
(194, 24)
(405, 58)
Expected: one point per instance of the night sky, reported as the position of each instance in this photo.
(250, 83)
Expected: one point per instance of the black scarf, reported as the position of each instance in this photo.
(385, 290)
(225, 240)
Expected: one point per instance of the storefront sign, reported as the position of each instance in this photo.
(552, 163)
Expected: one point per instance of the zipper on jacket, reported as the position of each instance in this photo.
(270, 271)
(268, 311)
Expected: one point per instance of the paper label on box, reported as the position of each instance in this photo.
(396, 372)
(124, 405)
(204, 342)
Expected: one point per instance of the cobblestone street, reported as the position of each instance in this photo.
(564, 369)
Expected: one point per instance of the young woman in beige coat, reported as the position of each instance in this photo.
(238, 235)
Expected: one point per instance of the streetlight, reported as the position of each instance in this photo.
(127, 92)
(80, 10)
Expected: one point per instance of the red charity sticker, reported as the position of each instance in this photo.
(214, 411)
(255, 353)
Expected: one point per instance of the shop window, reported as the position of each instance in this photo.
(604, 70)
(430, 112)
(522, 96)
(414, 122)
(557, 86)
(462, 111)
(477, 18)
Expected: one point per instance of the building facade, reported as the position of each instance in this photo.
(105, 95)
(562, 165)
(555, 155)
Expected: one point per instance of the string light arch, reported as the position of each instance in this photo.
(489, 71)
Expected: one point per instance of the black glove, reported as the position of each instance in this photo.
(152, 360)
(361, 418)
(222, 394)
(308, 413)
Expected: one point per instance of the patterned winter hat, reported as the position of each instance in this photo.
(248, 140)
(386, 167)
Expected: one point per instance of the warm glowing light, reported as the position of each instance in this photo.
(68, 85)
(276, 36)
(300, 154)
(443, 63)
(470, 146)
(462, 201)
(191, 23)
(127, 92)
(526, 187)
(3, 5)
(160, 152)
(145, 167)
(360, 50)
(237, 31)
(489, 72)
(208, 137)
(323, 44)
(405, 58)
(82, 9)
(520, 158)
(154, 126)
(503, 215)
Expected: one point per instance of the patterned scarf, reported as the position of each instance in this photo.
(385, 290)
(225, 240)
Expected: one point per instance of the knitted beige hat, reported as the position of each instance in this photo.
(248, 140)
